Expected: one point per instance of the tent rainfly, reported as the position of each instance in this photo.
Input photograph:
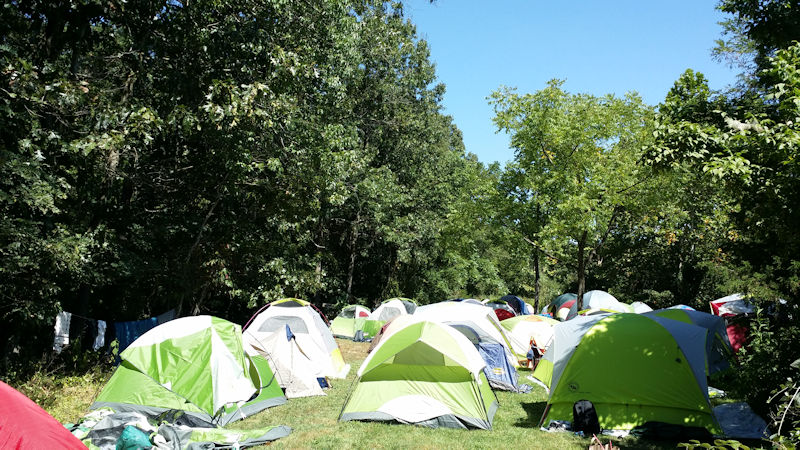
(196, 365)
(480, 325)
(24, 424)
(425, 374)
(309, 330)
(634, 368)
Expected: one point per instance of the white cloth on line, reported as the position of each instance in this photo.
(62, 331)
(100, 339)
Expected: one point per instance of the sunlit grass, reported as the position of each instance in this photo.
(314, 420)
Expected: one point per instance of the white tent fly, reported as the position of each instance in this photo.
(309, 330)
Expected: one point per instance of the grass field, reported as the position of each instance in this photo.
(314, 419)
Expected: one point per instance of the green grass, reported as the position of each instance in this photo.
(314, 419)
(67, 398)
(314, 422)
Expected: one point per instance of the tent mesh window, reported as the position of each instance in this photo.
(276, 323)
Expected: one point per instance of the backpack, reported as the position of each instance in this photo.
(584, 417)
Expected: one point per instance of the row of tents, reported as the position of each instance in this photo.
(433, 365)
(634, 364)
(204, 372)
(357, 322)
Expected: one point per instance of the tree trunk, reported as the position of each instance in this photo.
(319, 247)
(581, 270)
(536, 282)
(352, 266)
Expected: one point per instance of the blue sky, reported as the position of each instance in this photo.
(598, 47)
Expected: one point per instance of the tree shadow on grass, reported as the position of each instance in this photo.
(533, 411)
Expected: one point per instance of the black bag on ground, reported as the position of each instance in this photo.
(584, 417)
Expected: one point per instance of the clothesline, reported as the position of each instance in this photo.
(124, 332)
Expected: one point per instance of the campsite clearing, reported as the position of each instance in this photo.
(314, 420)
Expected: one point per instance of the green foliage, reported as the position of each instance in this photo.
(212, 157)
(739, 153)
(719, 444)
(760, 26)
(576, 169)
(786, 413)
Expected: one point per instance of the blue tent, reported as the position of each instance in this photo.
(500, 373)
(516, 303)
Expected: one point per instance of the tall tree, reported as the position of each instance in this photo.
(747, 145)
(578, 155)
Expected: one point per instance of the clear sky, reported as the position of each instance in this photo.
(598, 47)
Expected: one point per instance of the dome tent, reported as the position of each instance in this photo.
(480, 325)
(531, 327)
(308, 328)
(425, 374)
(387, 311)
(349, 321)
(295, 370)
(718, 348)
(597, 299)
(634, 369)
(564, 306)
(519, 305)
(734, 308)
(502, 310)
(193, 364)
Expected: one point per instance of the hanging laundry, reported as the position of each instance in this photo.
(100, 339)
(61, 331)
(82, 331)
(127, 332)
(166, 317)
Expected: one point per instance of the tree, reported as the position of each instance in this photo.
(213, 156)
(745, 148)
(576, 166)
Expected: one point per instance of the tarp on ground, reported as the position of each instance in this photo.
(106, 430)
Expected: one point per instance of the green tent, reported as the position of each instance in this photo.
(633, 368)
(349, 321)
(195, 365)
(425, 374)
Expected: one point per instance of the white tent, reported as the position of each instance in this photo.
(531, 327)
(603, 300)
(640, 307)
(310, 331)
(390, 309)
(481, 319)
(296, 372)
